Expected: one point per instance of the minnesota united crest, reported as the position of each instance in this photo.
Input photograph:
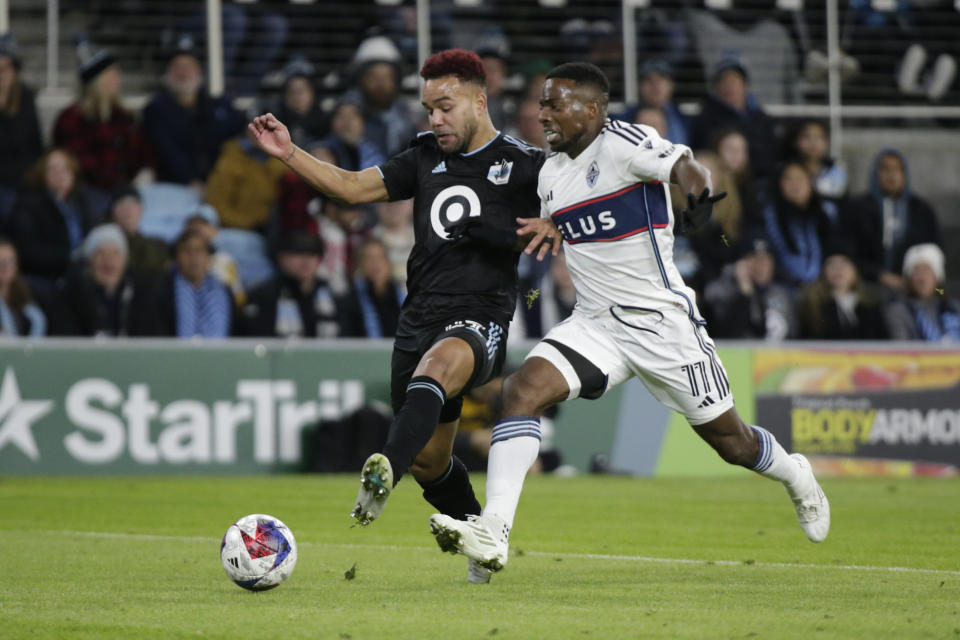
(592, 174)
(499, 172)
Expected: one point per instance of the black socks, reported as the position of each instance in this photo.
(452, 494)
(414, 424)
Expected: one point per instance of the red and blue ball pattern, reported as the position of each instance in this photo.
(258, 552)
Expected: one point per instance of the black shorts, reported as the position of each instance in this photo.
(488, 341)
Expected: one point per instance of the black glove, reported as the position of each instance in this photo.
(472, 229)
(698, 209)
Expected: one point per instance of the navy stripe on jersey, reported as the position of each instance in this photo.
(617, 215)
(663, 274)
(631, 133)
(526, 146)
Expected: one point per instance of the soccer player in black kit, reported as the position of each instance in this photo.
(470, 184)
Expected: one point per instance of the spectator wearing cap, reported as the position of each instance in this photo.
(20, 140)
(103, 297)
(19, 315)
(837, 305)
(298, 106)
(105, 138)
(731, 105)
(746, 302)
(389, 124)
(189, 301)
(50, 220)
(926, 311)
(185, 125)
(296, 302)
(375, 297)
(887, 220)
(655, 90)
(146, 255)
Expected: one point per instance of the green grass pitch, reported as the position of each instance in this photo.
(591, 557)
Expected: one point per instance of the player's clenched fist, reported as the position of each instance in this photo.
(272, 136)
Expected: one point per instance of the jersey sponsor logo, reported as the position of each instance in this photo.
(666, 152)
(440, 168)
(616, 215)
(593, 174)
(450, 206)
(499, 172)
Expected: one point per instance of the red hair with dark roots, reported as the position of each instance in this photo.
(464, 64)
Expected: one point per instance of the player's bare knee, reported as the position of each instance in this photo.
(522, 395)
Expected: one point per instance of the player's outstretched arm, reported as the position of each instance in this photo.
(354, 187)
(540, 235)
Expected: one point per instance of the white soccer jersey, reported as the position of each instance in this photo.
(612, 204)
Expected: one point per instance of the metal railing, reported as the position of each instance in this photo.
(532, 28)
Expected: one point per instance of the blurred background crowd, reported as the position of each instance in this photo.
(140, 207)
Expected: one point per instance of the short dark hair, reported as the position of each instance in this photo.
(464, 64)
(582, 73)
(185, 236)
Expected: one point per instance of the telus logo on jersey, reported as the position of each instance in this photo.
(616, 215)
(450, 206)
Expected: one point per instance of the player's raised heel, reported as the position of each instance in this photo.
(376, 483)
(477, 574)
(813, 508)
(483, 539)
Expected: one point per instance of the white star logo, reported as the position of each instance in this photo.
(17, 416)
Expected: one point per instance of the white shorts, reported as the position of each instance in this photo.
(672, 356)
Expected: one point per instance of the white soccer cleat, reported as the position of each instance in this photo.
(813, 509)
(477, 574)
(376, 483)
(483, 539)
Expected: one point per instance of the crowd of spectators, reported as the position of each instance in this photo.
(237, 245)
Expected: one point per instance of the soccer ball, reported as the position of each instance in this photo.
(258, 552)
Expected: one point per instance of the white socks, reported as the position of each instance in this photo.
(773, 461)
(514, 448)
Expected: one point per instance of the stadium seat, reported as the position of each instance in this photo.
(165, 208)
(249, 249)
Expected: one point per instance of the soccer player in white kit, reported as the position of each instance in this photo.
(605, 188)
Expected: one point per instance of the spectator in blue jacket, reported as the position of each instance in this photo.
(797, 226)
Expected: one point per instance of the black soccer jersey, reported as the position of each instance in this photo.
(494, 184)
